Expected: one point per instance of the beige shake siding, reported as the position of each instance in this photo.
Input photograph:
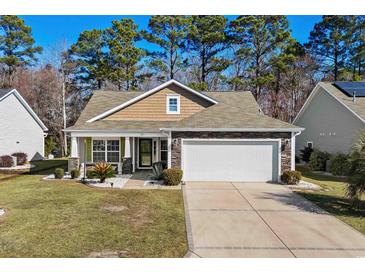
(153, 108)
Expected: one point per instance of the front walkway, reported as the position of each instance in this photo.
(139, 178)
(227, 219)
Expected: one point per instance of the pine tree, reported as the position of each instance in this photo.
(89, 57)
(328, 43)
(261, 38)
(206, 38)
(124, 56)
(16, 45)
(168, 32)
(356, 39)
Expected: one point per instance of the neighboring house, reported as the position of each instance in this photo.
(212, 136)
(20, 128)
(333, 116)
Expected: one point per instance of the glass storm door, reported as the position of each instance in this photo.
(145, 152)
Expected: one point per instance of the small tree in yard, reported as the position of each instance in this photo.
(305, 154)
(356, 185)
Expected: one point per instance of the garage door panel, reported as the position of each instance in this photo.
(253, 161)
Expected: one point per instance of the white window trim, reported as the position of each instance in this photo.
(163, 150)
(310, 142)
(168, 97)
(106, 150)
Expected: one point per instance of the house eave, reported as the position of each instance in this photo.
(236, 129)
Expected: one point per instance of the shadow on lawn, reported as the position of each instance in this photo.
(46, 167)
(334, 204)
(323, 203)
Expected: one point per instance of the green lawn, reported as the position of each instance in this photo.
(68, 219)
(332, 198)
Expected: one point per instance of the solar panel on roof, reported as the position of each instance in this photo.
(352, 88)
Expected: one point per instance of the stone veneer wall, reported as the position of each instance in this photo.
(285, 154)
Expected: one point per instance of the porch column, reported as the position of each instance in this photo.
(74, 160)
(74, 147)
(127, 148)
(169, 143)
(127, 165)
(133, 154)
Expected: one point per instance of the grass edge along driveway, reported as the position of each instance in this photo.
(332, 198)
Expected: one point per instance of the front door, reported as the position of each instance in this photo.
(145, 152)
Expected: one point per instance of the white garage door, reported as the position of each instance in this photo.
(230, 160)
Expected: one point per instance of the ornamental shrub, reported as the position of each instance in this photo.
(291, 177)
(172, 176)
(90, 174)
(75, 173)
(21, 158)
(6, 161)
(305, 154)
(157, 169)
(317, 160)
(340, 165)
(59, 173)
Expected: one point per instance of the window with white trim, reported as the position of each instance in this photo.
(106, 150)
(310, 144)
(173, 104)
(163, 151)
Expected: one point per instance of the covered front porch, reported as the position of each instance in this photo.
(127, 152)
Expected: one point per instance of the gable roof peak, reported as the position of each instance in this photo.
(146, 94)
(4, 93)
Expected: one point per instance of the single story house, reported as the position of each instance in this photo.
(333, 117)
(21, 130)
(211, 136)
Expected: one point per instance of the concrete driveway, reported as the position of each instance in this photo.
(262, 220)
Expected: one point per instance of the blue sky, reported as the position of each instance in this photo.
(50, 30)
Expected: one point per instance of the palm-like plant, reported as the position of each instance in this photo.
(358, 148)
(103, 170)
(356, 185)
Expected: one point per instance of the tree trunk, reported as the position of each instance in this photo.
(203, 65)
(64, 117)
(336, 61)
(171, 64)
(257, 73)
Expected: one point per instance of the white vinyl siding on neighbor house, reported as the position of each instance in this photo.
(328, 125)
(231, 160)
(19, 131)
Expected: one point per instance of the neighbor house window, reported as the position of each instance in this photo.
(173, 104)
(163, 150)
(310, 144)
(106, 150)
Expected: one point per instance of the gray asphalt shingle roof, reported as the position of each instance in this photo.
(358, 106)
(234, 110)
(4, 91)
